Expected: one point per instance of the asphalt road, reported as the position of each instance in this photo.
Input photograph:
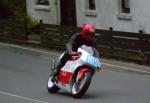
(24, 73)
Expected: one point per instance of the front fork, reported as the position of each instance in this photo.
(53, 65)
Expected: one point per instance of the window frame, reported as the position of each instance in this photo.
(125, 6)
(124, 14)
(43, 7)
(90, 10)
(43, 2)
(91, 5)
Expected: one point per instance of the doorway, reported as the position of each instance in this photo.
(68, 12)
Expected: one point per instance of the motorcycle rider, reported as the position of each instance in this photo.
(86, 37)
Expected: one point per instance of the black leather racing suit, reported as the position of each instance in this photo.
(74, 43)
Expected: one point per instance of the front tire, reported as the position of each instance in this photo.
(79, 89)
(51, 87)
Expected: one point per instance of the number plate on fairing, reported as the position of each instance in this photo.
(92, 61)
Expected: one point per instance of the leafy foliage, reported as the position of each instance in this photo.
(31, 24)
(15, 9)
(19, 11)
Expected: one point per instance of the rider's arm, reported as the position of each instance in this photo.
(96, 53)
(95, 47)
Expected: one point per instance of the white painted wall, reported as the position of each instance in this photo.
(49, 14)
(107, 15)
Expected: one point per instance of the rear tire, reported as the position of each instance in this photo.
(51, 87)
(79, 89)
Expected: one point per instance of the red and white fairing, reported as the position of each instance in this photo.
(87, 58)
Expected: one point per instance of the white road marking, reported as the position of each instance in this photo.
(21, 97)
(126, 68)
(27, 48)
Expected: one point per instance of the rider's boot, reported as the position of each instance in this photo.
(56, 72)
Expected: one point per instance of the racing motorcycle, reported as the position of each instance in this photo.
(76, 75)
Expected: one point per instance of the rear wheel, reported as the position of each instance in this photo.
(51, 87)
(80, 87)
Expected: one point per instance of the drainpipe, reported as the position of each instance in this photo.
(57, 12)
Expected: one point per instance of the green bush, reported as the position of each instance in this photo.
(31, 23)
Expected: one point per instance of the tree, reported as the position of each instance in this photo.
(19, 11)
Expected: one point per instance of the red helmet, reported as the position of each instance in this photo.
(88, 32)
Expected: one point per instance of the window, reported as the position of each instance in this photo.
(43, 2)
(43, 5)
(90, 8)
(125, 6)
(124, 10)
(92, 4)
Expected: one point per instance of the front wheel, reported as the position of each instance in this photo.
(79, 88)
(51, 87)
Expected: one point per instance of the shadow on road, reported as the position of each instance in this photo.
(86, 96)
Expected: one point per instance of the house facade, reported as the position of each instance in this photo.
(121, 15)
